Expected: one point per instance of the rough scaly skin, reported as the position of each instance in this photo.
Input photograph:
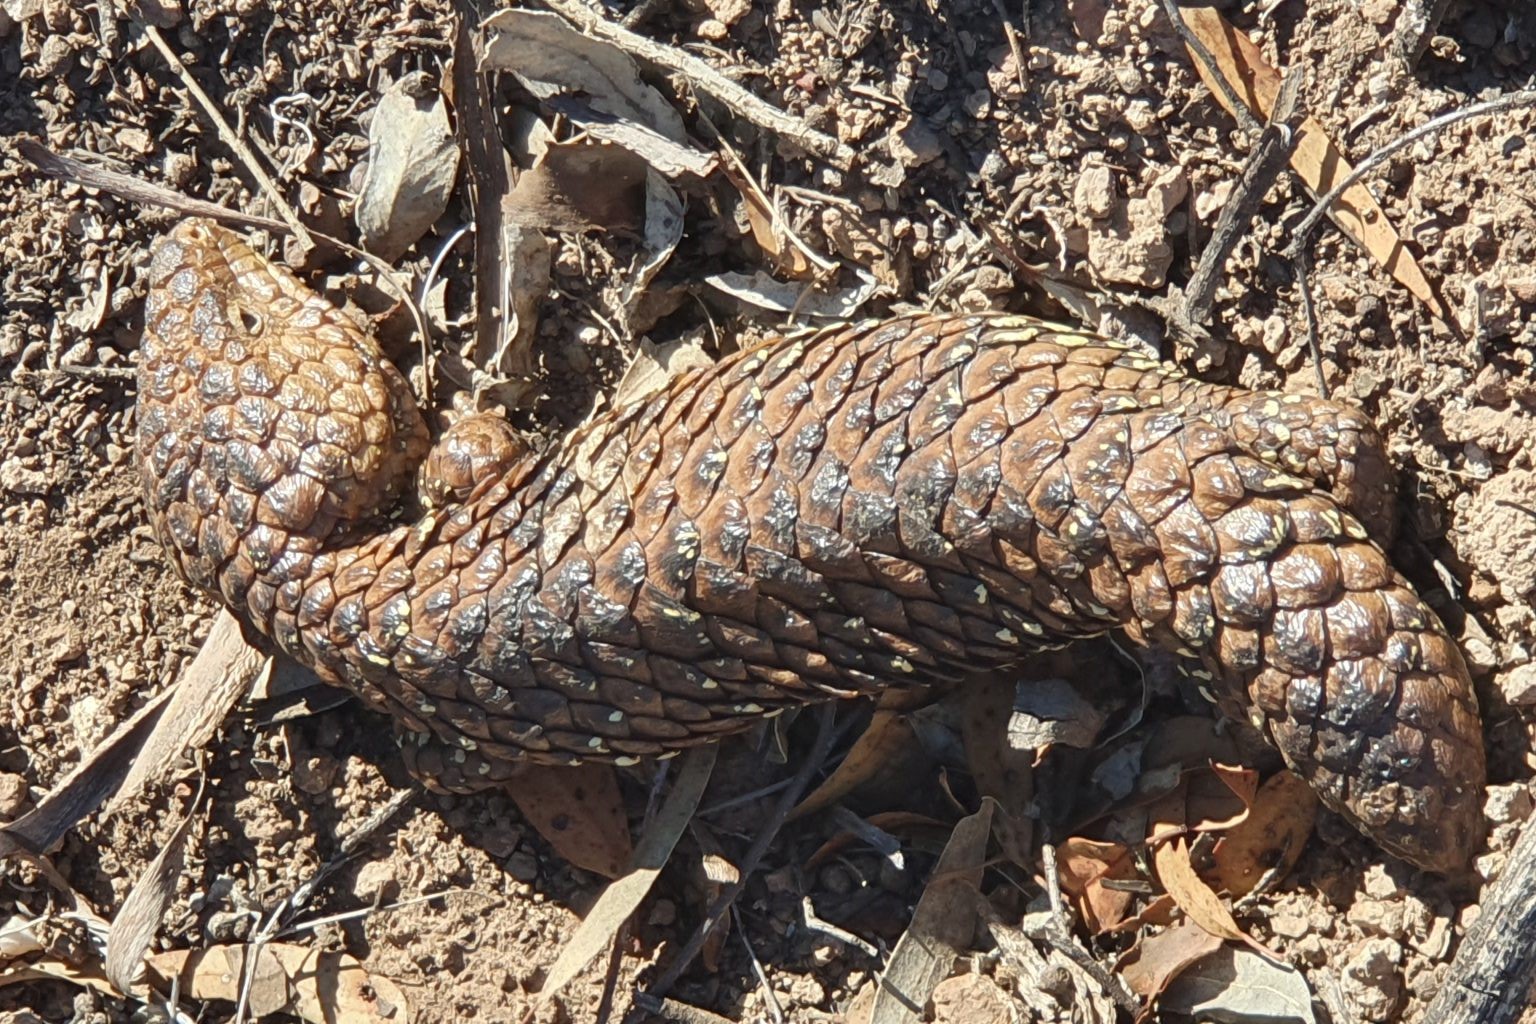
(818, 517)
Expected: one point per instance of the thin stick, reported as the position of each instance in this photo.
(1416, 26)
(1265, 163)
(706, 79)
(232, 139)
(1309, 312)
(1235, 102)
(489, 182)
(728, 894)
(1490, 979)
(136, 190)
(1515, 100)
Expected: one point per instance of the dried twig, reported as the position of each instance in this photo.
(1416, 26)
(1308, 311)
(1020, 71)
(1235, 102)
(1513, 101)
(232, 139)
(1264, 165)
(136, 190)
(1490, 979)
(706, 79)
(728, 894)
(489, 182)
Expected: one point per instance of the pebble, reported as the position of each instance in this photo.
(13, 795)
(1508, 803)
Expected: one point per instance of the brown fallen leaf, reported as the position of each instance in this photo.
(413, 160)
(579, 811)
(1084, 865)
(138, 920)
(315, 985)
(580, 186)
(1175, 870)
(1219, 797)
(1319, 162)
(942, 924)
(620, 899)
(1155, 961)
(1270, 839)
(1188, 741)
(887, 736)
(790, 256)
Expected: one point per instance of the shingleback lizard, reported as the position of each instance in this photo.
(817, 517)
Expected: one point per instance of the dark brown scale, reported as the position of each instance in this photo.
(819, 517)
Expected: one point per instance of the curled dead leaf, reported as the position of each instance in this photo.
(580, 811)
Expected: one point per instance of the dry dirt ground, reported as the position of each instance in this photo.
(1100, 157)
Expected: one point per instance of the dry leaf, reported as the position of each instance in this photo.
(1320, 163)
(762, 290)
(1188, 741)
(942, 925)
(1218, 798)
(580, 186)
(318, 986)
(1084, 865)
(139, 918)
(1155, 961)
(621, 898)
(1177, 873)
(1237, 986)
(888, 736)
(225, 669)
(663, 230)
(1051, 711)
(655, 366)
(526, 262)
(550, 58)
(413, 160)
(579, 811)
(791, 256)
(84, 788)
(672, 159)
(1270, 839)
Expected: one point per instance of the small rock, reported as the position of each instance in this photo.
(523, 866)
(1289, 924)
(229, 926)
(314, 773)
(1380, 884)
(375, 878)
(13, 794)
(1371, 981)
(969, 997)
(1508, 803)
(729, 12)
(663, 914)
(1275, 334)
(914, 144)
(1519, 685)
(1377, 917)
(1094, 194)
(500, 840)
